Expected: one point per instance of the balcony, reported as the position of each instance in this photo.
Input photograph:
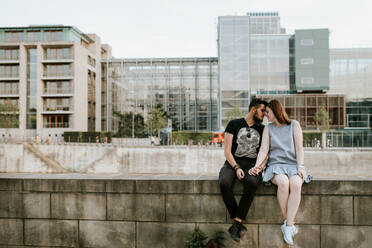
(57, 125)
(9, 61)
(55, 76)
(57, 93)
(56, 60)
(12, 77)
(59, 109)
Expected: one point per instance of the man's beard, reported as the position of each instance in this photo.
(256, 120)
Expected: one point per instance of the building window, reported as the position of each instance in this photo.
(57, 87)
(9, 54)
(53, 35)
(307, 61)
(57, 70)
(307, 42)
(14, 36)
(57, 104)
(58, 53)
(9, 88)
(56, 121)
(307, 80)
(91, 61)
(33, 36)
(9, 71)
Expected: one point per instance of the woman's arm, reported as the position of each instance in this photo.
(298, 142)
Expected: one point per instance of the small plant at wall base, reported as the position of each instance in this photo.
(197, 239)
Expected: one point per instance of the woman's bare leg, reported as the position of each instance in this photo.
(282, 182)
(295, 184)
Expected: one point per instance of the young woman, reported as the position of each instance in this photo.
(282, 140)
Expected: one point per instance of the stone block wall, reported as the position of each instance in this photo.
(160, 212)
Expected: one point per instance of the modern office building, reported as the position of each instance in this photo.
(257, 57)
(186, 88)
(52, 74)
(351, 74)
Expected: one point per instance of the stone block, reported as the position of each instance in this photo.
(139, 207)
(338, 187)
(207, 187)
(162, 235)
(79, 206)
(51, 233)
(51, 185)
(308, 236)
(249, 240)
(121, 186)
(11, 232)
(107, 234)
(165, 186)
(36, 205)
(11, 204)
(266, 190)
(195, 208)
(264, 209)
(363, 210)
(309, 211)
(346, 236)
(91, 186)
(336, 210)
(10, 185)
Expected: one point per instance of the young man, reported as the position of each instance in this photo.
(242, 144)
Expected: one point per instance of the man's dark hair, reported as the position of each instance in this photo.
(256, 103)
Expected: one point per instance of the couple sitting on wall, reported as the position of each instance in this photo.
(248, 147)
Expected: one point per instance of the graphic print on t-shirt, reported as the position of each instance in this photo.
(247, 144)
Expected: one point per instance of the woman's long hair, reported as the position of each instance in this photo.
(279, 112)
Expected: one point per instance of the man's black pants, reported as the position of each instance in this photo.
(227, 179)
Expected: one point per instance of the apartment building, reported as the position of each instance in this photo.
(52, 75)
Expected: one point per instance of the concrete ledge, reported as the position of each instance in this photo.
(75, 210)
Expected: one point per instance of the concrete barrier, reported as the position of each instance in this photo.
(75, 210)
(100, 158)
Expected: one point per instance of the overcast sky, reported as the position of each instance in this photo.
(187, 28)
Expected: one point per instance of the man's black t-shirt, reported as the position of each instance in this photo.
(246, 140)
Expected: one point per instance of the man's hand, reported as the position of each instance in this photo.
(240, 173)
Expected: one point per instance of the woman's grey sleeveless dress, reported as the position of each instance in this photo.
(282, 153)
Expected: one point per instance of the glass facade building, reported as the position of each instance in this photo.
(351, 74)
(186, 88)
(302, 107)
(253, 53)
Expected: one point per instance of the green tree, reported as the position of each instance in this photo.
(157, 120)
(9, 115)
(322, 119)
(126, 126)
(234, 113)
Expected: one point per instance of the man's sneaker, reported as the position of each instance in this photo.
(288, 233)
(234, 231)
(242, 230)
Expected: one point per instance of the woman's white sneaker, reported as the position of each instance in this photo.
(288, 233)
